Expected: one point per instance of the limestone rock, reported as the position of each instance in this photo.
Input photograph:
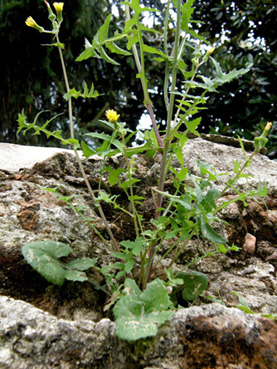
(211, 336)
(75, 335)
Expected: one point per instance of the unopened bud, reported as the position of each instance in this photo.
(208, 53)
(30, 22)
(59, 10)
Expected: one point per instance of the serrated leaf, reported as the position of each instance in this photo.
(114, 175)
(106, 57)
(187, 11)
(227, 77)
(182, 174)
(101, 136)
(135, 246)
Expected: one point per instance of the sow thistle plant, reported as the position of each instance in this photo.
(141, 302)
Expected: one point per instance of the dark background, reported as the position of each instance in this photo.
(31, 76)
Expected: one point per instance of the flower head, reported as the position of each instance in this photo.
(208, 53)
(59, 10)
(30, 22)
(112, 116)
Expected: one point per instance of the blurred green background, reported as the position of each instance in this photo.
(243, 32)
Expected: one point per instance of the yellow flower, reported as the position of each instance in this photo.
(59, 10)
(268, 126)
(208, 53)
(58, 7)
(30, 22)
(112, 115)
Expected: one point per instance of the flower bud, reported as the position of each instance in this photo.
(51, 15)
(268, 126)
(30, 22)
(208, 53)
(59, 10)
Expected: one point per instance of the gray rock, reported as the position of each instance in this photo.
(14, 157)
(227, 338)
(208, 336)
(222, 157)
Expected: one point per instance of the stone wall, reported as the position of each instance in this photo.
(45, 326)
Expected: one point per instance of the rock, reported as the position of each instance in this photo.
(249, 244)
(74, 334)
(211, 336)
(14, 157)
(222, 157)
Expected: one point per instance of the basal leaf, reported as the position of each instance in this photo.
(75, 275)
(194, 284)
(43, 255)
(82, 264)
(138, 314)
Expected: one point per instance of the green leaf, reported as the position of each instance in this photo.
(139, 314)
(82, 264)
(209, 201)
(182, 174)
(92, 93)
(88, 53)
(114, 48)
(43, 255)
(187, 11)
(101, 136)
(243, 304)
(106, 57)
(135, 246)
(75, 275)
(223, 77)
(192, 125)
(114, 175)
(209, 233)
(87, 151)
(194, 284)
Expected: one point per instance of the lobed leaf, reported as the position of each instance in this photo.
(139, 314)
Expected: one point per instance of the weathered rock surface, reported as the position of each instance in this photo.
(14, 157)
(208, 336)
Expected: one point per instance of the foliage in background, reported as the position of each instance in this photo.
(31, 80)
(243, 32)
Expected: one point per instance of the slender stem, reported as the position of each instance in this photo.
(239, 172)
(70, 112)
(131, 197)
(102, 215)
(166, 77)
(168, 129)
(171, 106)
(141, 69)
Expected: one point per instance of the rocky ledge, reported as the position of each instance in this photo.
(45, 326)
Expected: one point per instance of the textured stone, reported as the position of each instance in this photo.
(222, 157)
(211, 336)
(207, 336)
